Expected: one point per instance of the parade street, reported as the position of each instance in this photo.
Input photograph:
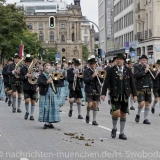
(27, 140)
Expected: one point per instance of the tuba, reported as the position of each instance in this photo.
(34, 72)
(18, 66)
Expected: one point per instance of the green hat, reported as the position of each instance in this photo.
(158, 61)
(10, 59)
(129, 62)
(76, 62)
(120, 55)
(16, 56)
(143, 56)
(28, 58)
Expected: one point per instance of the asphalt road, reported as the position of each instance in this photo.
(27, 140)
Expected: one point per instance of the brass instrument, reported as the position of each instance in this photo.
(61, 74)
(80, 72)
(34, 72)
(102, 74)
(154, 67)
(19, 65)
(54, 75)
(147, 66)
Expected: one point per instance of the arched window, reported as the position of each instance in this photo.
(51, 37)
(41, 36)
(62, 38)
(73, 39)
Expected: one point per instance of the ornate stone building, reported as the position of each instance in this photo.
(56, 28)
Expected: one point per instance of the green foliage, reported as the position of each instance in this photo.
(96, 46)
(13, 30)
(85, 52)
(49, 55)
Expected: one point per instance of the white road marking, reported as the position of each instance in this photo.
(24, 159)
(108, 129)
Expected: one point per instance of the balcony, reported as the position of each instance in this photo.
(139, 36)
(146, 34)
(150, 33)
(139, 7)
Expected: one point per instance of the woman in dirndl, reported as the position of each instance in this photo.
(48, 107)
(2, 93)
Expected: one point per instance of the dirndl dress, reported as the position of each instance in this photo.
(60, 96)
(66, 88)
(48, 108)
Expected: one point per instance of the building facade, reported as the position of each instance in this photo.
(88, 34)
(53, 21)
(102, 24)
(147, 28)
(123, 23)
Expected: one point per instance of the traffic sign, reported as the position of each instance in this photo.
(133, 54)
(57, 57)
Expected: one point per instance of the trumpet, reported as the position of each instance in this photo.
(147, 66)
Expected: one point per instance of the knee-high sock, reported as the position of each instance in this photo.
(6, 94)
(114, 122)
(94, 114)
(88, 111)
(122, 125)
(32, 109)
(146, 113)
(139, 111)
(71, 106)
(154, 104)
(19, 102)
(27, 107)
(14, 102)
(131, 101)
(109, 98)
(9, 97)
(79, 108)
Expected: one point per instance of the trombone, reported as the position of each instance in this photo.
(147, 66)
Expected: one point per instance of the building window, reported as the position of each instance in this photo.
(41, 36)
(62, 25)
(51, 37)
(73, 39)
(30, 26)
(72, 25)
(40, 25)
(85, 39)
(62, 38)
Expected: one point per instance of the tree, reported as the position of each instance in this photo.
(49, 55)
(13, 30)
(85, 52)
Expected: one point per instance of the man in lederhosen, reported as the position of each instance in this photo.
(16, 84)
(29, 90)
(120, 80)
(75, 85)
(143, 80)
(156, 86)
(92, 89)
(7, 84)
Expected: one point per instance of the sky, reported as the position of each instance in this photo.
(89, 8)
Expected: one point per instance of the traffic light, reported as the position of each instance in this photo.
(51, 22)
(99, 53)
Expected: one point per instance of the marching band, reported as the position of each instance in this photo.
(52, 84)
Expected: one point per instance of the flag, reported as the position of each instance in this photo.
(21, 50)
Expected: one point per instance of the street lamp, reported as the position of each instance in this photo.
(86, 20)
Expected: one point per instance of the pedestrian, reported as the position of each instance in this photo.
(48, 110)
(120, 80)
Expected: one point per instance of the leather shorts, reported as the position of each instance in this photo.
(144, 94)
